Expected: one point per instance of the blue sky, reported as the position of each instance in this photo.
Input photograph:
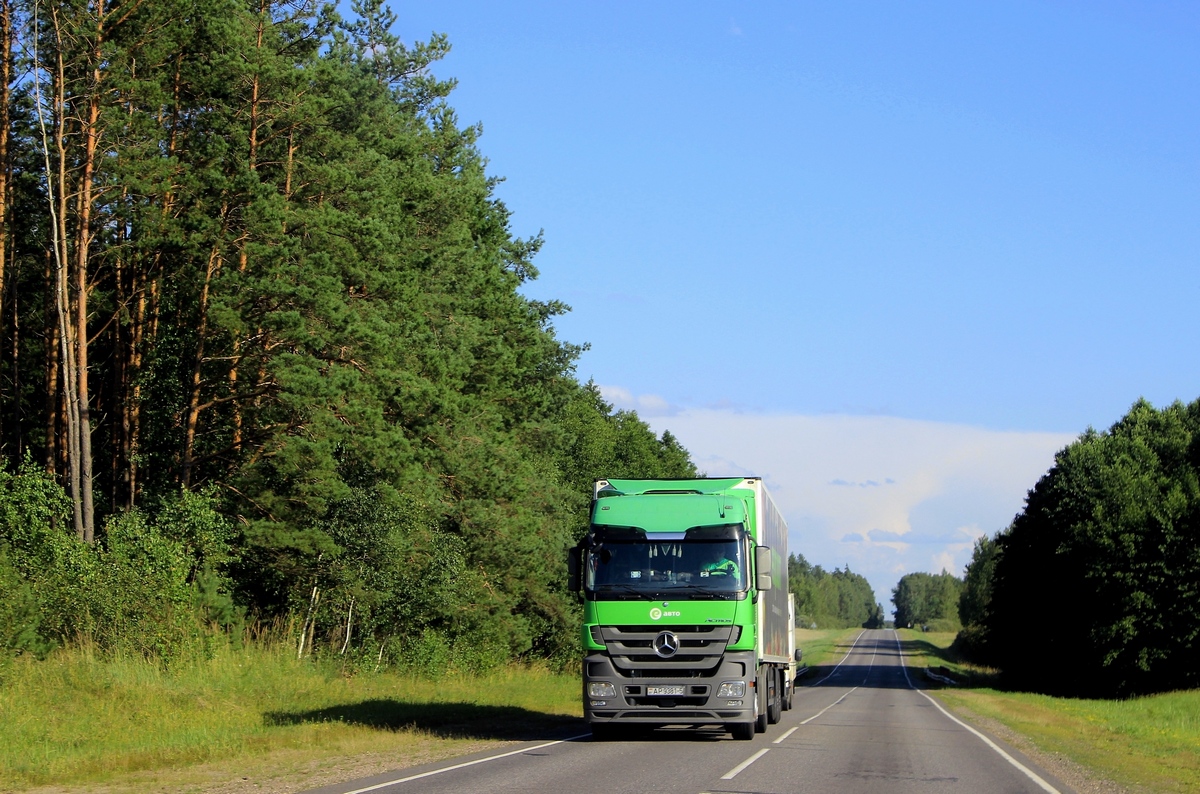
(883, 239)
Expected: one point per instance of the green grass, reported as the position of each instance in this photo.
(934, 650)
(258, 716)
(825, 646)
(78, 721)
(1149, 743)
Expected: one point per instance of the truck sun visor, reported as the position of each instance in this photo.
(602, 534)
(715, 532)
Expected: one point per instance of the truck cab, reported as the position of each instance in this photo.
(679, 623)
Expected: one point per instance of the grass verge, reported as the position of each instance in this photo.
(254, 717)
(1148, 743)
(935, 650)
(825, 646)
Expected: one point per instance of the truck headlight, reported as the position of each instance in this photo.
(732, 689)
(601, 689)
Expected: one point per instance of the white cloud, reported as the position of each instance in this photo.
(647, 405)
(887, 496)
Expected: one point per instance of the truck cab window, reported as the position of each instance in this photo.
(642, 568)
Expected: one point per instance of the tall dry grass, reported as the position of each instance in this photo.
(76, 718)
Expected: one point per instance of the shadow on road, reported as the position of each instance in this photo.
(921, 658)
(449, 720)
(866, 676)
(670, 733)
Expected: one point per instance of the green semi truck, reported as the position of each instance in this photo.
(687, 615)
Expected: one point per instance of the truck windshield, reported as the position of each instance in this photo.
(640, 567)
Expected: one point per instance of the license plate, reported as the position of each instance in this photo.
(664, 690)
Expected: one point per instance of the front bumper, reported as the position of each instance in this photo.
(698, 705)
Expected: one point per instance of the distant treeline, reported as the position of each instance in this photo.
(928, 601)
(265, 359)
(1094, 589)
(831, 599)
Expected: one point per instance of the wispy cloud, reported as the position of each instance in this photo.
(918, 537)
(647, 405)
(864, 484)
(885, 495)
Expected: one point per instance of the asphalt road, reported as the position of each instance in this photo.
(862, 727)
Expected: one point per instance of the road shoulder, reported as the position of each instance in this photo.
(1078, 777)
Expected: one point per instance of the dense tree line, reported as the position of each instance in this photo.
(1094, 589)
(831, 599)
(975, 602)
(263, 336)
(927, 600)
(976, 595)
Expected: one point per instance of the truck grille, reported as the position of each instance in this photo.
(632, 652)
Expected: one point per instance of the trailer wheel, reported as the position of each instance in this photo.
(774, 697)
(742, 731)
(760, 697)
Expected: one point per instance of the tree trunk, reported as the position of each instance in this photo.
(54, 404)
(243, 261)
(309, 621)
(6, 71)
(83, 242)
(56, 189)
(192, 417)
(349, 618)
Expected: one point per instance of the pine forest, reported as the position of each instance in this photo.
(266, 363)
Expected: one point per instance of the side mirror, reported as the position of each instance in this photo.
(799, 655)
(573, 579)
(762, 567)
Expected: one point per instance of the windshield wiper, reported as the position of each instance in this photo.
(625, 589)
(699, 590)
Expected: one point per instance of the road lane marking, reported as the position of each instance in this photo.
(786, 734)
(903, 666)
(1042, 784)
(827, 708)
(385, 784)
(732, 773)
(870, 665)
(844, 658)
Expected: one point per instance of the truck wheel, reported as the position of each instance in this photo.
(774, 697)
(787, 699)
(760, 695)
(742, 731)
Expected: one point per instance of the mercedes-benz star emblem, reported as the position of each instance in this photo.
(666, 645)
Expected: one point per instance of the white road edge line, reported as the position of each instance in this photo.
(1042, 784)
(833, 672)
(732, 773)
(786, 734)
(870, 665)
(466, 763)
(827, 708)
